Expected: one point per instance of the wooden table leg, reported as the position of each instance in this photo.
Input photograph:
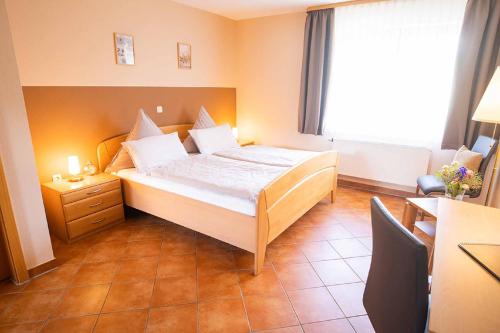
(431, 259)
(409, 216)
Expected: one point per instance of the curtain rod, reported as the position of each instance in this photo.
(341, 4)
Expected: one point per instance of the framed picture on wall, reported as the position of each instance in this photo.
(124, 49)
(184, 55)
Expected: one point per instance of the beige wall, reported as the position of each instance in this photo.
(17, 156)
(70, 43)
(269, 60)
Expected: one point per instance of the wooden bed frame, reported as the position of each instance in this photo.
(280, 203)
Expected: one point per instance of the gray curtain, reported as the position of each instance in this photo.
(318, 43)
(477, 60)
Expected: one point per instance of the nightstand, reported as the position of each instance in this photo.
(77, 209)
(244, 143)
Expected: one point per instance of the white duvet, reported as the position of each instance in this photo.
(267, 155)
(230, 176)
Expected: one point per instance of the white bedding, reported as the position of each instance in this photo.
(224, 175)
(236, 204)
(267, 155)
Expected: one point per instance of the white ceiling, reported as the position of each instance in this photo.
(244, 9)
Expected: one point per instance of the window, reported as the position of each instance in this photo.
(392, 70)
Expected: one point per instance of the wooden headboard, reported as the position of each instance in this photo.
(107, 149)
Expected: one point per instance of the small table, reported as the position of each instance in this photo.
(430, 207)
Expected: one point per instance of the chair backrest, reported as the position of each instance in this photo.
(484, 146)
(396, 293)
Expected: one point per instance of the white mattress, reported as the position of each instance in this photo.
(237, 204)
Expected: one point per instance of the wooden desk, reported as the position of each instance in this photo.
(464, 298)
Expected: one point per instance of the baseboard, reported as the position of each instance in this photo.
(376, 186)
(43, 268)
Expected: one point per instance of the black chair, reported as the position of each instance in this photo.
(430, 184)
(396, 292)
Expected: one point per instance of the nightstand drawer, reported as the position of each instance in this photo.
(90, 192)
(91, 205)
(91, 222)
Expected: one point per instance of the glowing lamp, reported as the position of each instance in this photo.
(235, 132)
(74, 168)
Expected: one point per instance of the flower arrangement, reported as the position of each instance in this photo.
(458, 180)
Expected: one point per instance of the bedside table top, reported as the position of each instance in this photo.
(65, 186)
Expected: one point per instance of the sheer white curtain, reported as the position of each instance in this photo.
(392, 70)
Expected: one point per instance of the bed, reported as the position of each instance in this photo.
(277, 206)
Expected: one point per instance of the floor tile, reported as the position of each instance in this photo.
(128, 296)
(174, 290)
(266, 283)
(286, 254)
(119, 322)
(298, 276)
(350, 248)
(106, 251)
(209, 263)
(267, 312)
(367, 241)
(360, 265)
(95, 273)
(362, 324)
(83, 324)
(82, 301)
(176, 265)
(336, 232)
(331, 326)
(291, 329)
(222, 316)
(7, 286)
(147, 232)
(136, 269)
(314, 304)
(120, 232)
(219, 285)
(34, 306)
(22, 328)
(58, 278)
(176, 246)
(70, 254)
(179, 318)
(143, 248)
(350, 298)
(316, 251)
(334, 272)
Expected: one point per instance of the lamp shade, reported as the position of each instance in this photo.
(235, 132)
(73, 165)
(488, 110)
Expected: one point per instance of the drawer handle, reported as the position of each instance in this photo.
(99, 221)
(96, 204)
(95, 191)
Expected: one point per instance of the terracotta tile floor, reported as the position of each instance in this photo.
(149, 275)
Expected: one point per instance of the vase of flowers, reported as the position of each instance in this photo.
(459, 180)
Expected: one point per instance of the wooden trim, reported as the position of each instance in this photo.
(8, 224)
(376, 187)
(43, 268)
(341, 4)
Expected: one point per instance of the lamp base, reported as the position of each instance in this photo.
(75, 179)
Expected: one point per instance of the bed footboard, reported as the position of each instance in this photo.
(290, 196)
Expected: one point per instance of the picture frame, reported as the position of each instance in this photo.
(124, 49)
(183, 55)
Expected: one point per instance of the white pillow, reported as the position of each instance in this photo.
(203, 121)
(469, 159)
(155, 151)
(214, 139)
(143, 127)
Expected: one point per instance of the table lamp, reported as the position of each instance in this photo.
(488, 111)
(74, 168)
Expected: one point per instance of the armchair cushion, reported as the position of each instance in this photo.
(430, 184)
